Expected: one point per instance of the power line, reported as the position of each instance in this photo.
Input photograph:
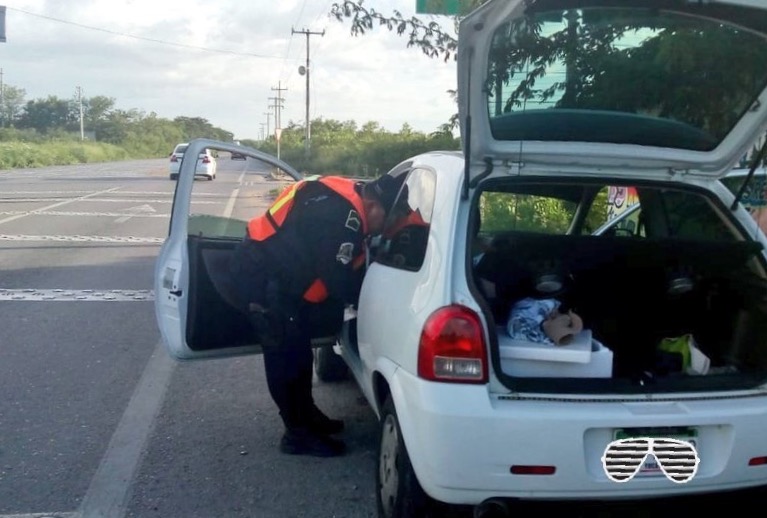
(152, 40)
(290, 41)
(308, 132)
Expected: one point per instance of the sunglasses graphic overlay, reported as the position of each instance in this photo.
(678, 460)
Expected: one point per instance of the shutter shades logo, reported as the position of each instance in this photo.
(677, 459)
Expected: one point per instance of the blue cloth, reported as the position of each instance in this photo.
(526, 318)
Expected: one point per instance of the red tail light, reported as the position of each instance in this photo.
(205, 160)
(452, 347)
(173, 158)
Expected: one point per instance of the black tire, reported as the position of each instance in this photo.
(398, 492)
(173, 177)
(328, 365)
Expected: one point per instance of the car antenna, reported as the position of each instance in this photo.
(754, 162)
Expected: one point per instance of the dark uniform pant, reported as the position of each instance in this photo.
(284, 324)
(288, 361)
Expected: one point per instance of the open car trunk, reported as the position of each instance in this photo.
(672, 275)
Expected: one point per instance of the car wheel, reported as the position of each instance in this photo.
(328, 365)
(172, 177)
(398, 492)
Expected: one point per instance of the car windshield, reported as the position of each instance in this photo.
(633, 76)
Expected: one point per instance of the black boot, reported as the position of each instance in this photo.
(323, 425)
(315, 420)
(301, 441)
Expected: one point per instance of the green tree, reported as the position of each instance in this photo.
(12, 105)
(48, 115)
(430, 37)
(197, 127)
(96, 109)
(343, 147)
(116, 126)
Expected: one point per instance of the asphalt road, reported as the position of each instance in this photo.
(97, 421)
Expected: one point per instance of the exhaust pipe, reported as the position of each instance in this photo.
(492, 508)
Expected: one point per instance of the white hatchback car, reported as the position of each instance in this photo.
(563, 107)
(206, 162)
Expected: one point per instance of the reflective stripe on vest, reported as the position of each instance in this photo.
(266, 225)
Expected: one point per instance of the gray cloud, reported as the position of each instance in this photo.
(374, 77)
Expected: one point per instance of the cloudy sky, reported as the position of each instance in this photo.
(224, 59)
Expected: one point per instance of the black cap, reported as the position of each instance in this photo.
(384, 189)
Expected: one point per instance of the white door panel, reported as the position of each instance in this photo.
(191, 307)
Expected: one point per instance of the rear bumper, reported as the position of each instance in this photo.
(463, 441)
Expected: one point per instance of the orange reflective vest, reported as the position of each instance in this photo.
(413, 218)
(266, 225)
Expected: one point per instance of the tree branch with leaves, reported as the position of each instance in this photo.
(430, 37)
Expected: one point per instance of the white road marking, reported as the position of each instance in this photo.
(135, 211)
(230, 206)
(84, 239)
(89, 214)
(71, 200)
(100, 200)
(15, 193)
(109, 490)
(41, 515)
(126, 193)
(162, 193)
(61, 295)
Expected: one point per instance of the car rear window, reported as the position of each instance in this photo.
(180, 149)
(626, 76)
(569, 208)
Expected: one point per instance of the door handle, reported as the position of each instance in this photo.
(176, 293)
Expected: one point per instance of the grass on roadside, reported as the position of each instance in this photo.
(18, 155)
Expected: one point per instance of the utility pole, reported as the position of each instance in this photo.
(268, 126)
(263, 135)
(2, 100)
(80, 102)
(278, 104)
(305, 70)
(277, 120)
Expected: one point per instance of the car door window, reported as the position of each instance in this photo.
(615, 211)
(754, 197)
(690, 216)
(407, 228)
(502, 212)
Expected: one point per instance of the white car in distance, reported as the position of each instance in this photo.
(206, 162)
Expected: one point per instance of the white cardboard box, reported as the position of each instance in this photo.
(537, 360)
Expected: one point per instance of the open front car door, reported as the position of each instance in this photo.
(193, 292)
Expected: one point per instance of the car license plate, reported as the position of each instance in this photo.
(650, 467)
